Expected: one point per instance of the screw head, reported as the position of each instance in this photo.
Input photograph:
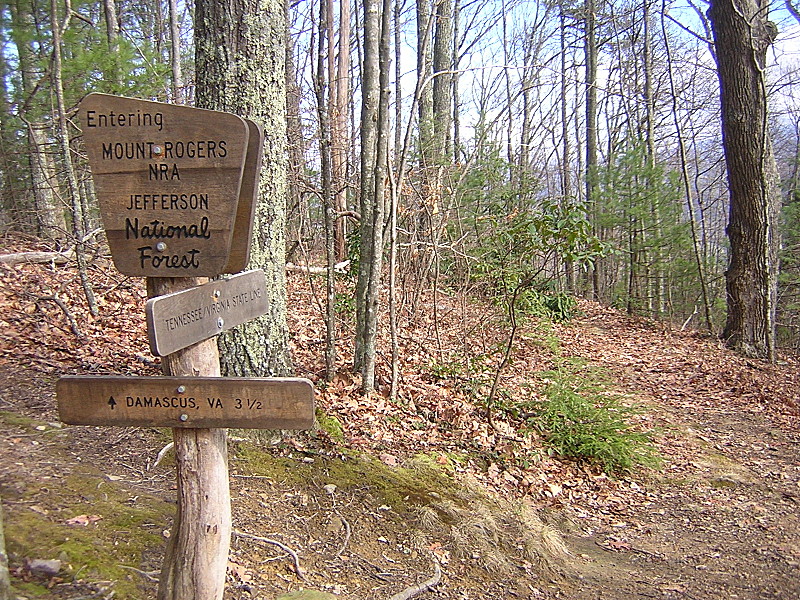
(181, 389)
(220, 323)
(161, 246)
(184, 417)
(157, 150)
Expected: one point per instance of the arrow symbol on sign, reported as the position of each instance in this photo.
(112, 403)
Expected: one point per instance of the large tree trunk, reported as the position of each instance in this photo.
(424, 74)
(340, 95)
(249, 79)
(742, 35)
(442, 83)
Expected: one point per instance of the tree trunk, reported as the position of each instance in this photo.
(424, 74)
(442, 83)
(249, 79)
(590, 52)
(196, 559)
(339, 132)
(176, 72)
(742, 35)
(50, 211)
(297, 206)
(374, 155)
(73, 189)
(566, 159)
(326, 135)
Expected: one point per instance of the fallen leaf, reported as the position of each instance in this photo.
(389, 460)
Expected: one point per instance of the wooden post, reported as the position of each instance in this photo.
(196, 558)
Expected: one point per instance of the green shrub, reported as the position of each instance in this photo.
(579, 420)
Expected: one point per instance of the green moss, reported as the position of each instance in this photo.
(16, 420)
(28, 589)
(129, 527)
(307, 595)
(331, 425)
(402, 488)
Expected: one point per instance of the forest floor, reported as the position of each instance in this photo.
(388, 494)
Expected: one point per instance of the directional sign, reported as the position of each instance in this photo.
(168, 180)
(198, 402)
(178, 320)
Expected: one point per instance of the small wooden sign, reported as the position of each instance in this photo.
(178, 320)
(186, 402)
(168, 180)
(248, 198)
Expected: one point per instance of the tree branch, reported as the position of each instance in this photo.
(285, 548)
(416, 590)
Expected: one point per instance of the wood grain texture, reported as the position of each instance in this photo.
(168, 180)
(187, 402)
(180, 319)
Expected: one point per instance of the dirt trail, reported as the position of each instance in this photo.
(720, 520)
(723, 519)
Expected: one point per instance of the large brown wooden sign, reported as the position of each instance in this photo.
(180, 319)
(184, 402)
(168, 181)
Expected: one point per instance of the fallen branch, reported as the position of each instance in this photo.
(161, 455)
(73, 324)
(347, 532)
(150, 576)
(416, 590)
(284, 547)
(19, 258)
(341, 267)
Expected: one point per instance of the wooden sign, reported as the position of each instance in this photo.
(168, 180)
(186, 402)
(248, 197)
(178, 320)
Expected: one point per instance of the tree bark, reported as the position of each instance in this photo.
(590, 52)
(742, 35)
(240, 58)
(374, 156)
(442, 83)
(78, 228)
(50, 211)
(424, 74)
(176, 72)
(339, 131)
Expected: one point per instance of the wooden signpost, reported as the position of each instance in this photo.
(177, 188)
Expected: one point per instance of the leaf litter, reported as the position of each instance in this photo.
(725, 501)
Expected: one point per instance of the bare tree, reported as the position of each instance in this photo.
(742, 35)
